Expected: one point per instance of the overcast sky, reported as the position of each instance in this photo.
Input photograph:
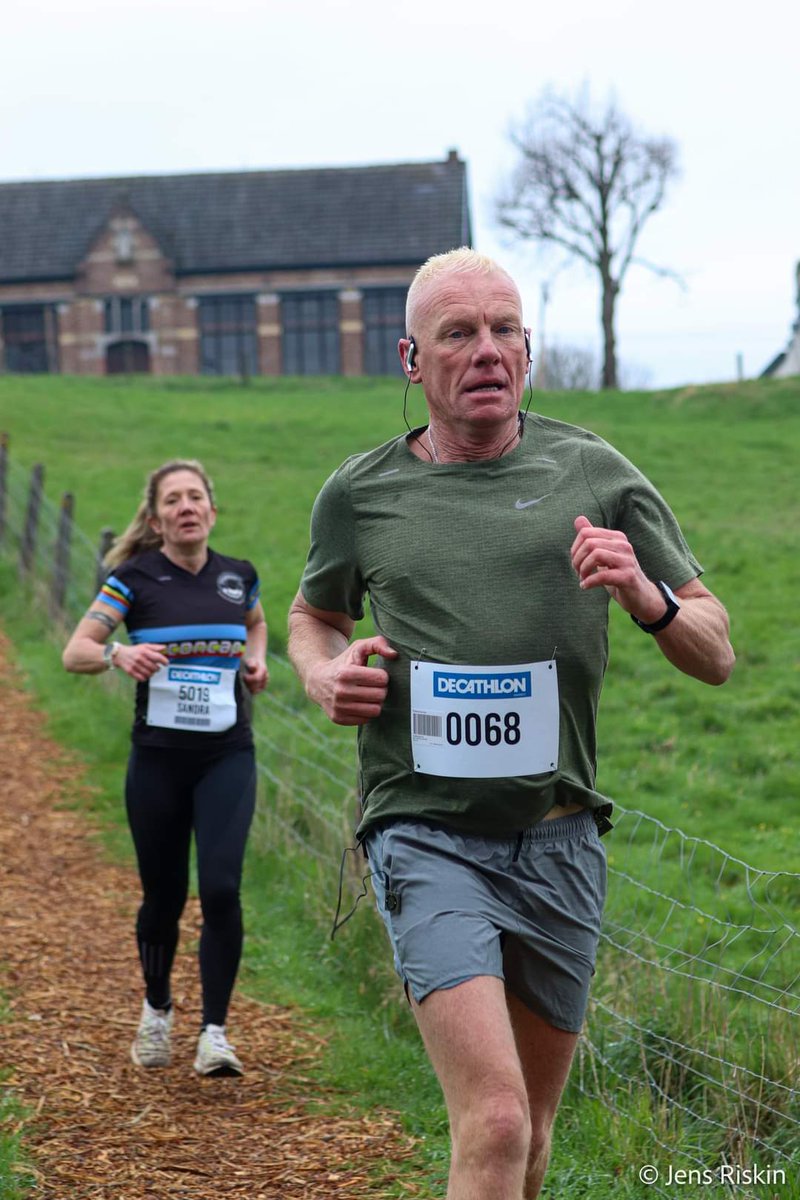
(93, 88)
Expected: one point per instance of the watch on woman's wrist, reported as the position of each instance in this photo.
(109, 655)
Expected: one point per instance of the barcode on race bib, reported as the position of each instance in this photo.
(427, 725)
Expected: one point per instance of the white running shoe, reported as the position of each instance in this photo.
(215, 1054)
(151, 1046)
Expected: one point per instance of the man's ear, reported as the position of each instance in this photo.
(407, 349)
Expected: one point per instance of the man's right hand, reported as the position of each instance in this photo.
(346, 688)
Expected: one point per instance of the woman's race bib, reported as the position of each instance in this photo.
(193, 698)
(484, 722)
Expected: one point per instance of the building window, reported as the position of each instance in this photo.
(25, 337)
(127, 314)
(228, 335)
(384, 316)
(123, 245)
(310, 333)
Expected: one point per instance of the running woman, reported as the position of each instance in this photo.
(198, 642)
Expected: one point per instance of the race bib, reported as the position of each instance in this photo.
(484, 722)
(193, 698)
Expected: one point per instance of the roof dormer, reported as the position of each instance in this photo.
(124, 258)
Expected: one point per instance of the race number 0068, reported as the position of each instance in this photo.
(475, 728)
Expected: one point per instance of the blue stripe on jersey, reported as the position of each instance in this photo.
(116, 595)
(120, 586)
(106, 598)
(253, 595)
(189, 633)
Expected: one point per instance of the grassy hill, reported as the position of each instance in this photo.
(719, 764)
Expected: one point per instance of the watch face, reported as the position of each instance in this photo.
(668, 592)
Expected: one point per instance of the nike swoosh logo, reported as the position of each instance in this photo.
(528, 503)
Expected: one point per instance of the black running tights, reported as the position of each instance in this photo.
(168, 794)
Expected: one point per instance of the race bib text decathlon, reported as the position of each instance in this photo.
(484, 722)
(192, 697)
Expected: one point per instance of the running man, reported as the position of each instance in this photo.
(489, 546)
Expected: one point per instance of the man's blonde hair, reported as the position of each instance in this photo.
(461, 261)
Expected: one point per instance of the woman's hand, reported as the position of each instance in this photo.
(255, 675)
(141, 661)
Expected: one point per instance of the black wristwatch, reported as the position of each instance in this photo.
(673, 608)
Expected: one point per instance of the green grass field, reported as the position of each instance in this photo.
(720, 764)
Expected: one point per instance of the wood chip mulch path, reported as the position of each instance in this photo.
(100, 1128)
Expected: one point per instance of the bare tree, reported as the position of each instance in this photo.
(587, 183)
(565, 367)
(568, 368)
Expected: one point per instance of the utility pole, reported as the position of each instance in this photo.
(540, 378)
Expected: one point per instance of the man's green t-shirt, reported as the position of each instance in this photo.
(469, 563)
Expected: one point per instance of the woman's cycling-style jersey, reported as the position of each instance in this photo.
(200, 622)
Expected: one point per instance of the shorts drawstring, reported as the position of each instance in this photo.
(337, 924)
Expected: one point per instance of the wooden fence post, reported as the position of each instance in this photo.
(27, 549)
(106, 538)
(58, 593)
(3, 482)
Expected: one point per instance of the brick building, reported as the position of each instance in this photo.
(259, 272)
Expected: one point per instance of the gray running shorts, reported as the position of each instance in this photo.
(526, 909)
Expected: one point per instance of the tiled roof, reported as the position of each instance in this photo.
(333, 216)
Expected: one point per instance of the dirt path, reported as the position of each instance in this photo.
(103, 1129)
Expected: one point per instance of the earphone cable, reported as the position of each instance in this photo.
(408, 427)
